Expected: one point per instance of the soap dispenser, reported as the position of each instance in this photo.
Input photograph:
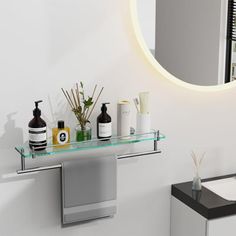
(37, 130)
(104, 124)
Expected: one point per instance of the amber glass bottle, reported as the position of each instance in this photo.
(104, 124)
(37, 130)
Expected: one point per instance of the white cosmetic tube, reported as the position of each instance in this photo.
(144, 102)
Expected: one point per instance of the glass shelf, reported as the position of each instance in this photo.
(26, 152)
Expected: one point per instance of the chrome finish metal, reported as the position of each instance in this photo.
(22, 159)
(123, 156)
(42, 168)
(155, 141)
(129, 155)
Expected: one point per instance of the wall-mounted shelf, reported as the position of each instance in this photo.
(26, 153)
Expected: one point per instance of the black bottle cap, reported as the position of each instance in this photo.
(104, 108)
(37, 111)
(60, 124)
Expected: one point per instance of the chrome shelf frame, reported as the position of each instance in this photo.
(25, 170)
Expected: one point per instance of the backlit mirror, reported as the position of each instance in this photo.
(192, 39)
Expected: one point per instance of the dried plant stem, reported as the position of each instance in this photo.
(86, 115)
(67, 98)
(197, 161)
(73, 106)
(77, 93)
(95, 102)
(201, 159)
(76, 105)
(194, 158)
(94, 90)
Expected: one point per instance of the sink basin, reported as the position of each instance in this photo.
(225, 188)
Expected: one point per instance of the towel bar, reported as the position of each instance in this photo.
(119, 157)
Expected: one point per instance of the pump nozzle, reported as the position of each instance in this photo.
(104, 108)
(37, 111)
(37, 102)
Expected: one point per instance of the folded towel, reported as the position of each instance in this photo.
(88, 189)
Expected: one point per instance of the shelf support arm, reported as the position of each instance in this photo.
(22, 159)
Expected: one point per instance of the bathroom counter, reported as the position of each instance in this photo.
(205, 202)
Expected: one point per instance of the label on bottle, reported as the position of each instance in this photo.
(62, 137)
(104, 129)
(38, 136)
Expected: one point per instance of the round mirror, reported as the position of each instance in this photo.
(188, 38)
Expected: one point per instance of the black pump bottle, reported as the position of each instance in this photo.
(37, 130)
(104, 124)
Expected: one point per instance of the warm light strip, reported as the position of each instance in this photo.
(160, 70)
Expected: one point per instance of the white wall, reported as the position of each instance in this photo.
(191, 39)
(46, 45)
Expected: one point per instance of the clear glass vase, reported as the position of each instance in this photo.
(197, 183)
(83, 133)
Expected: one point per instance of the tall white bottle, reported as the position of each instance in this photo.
(123, 118)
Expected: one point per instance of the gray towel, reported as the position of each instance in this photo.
(88, 189)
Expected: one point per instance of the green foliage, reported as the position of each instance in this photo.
(88, 102)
